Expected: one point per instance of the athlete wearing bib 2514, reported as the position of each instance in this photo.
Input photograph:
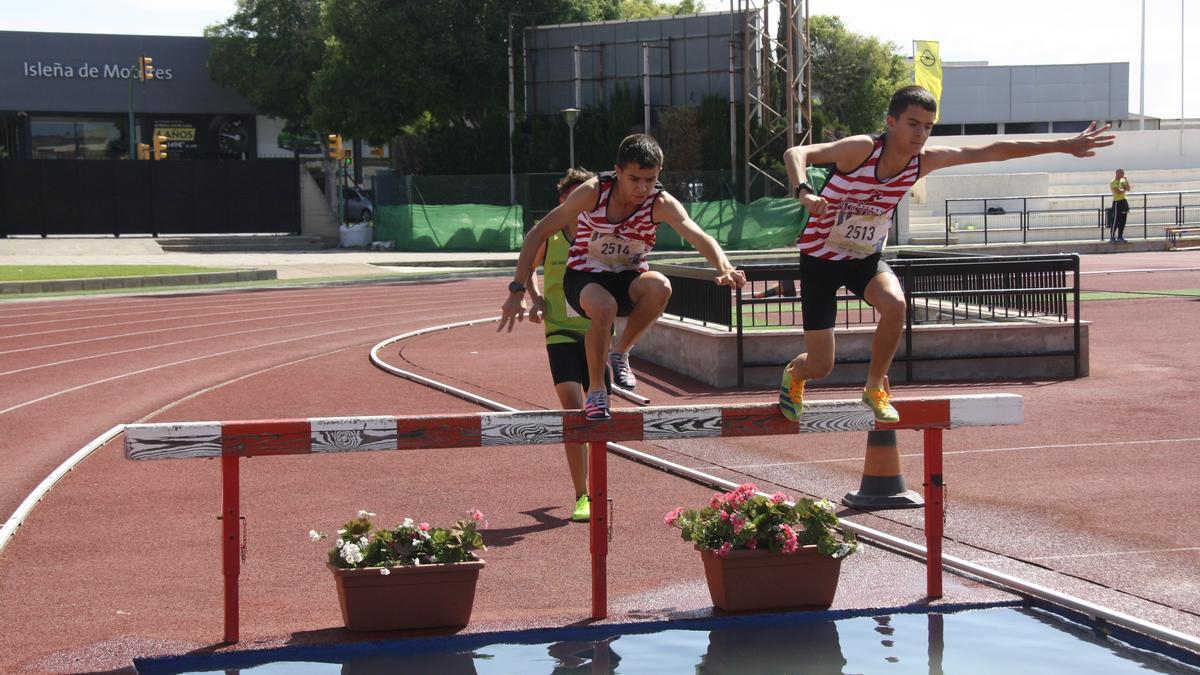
(844, 245)
(612, 255)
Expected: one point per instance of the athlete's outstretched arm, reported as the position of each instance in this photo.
(581, 199)
(668, 209)
(1083, 145)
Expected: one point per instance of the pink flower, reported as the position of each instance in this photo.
(738, 522)
(741, 494)
(424, 527)
(752, 544)
(790, 546)
(671, 517)
(778, 498)
(717, 500)
(725, 515)
(724, 550)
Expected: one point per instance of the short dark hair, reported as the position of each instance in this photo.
(571, 178)
(640, 148)
(911, 95)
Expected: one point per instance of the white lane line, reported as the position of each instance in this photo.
(963, 452)
(267, 311)
(271, 317)
(190, 360)
(157, 345)
(142, 309)
(151, 302)
(1097, 554)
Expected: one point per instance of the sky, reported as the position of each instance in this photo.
(1013, 32)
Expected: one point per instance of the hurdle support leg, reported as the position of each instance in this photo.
(934, 512)
(598, 526)
(230, 555)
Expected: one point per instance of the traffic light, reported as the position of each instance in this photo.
(336, 151)
(160, 146)
(143, 151)
(145, 68)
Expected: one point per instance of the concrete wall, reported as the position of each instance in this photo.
(1037, 93)
(933, 190)
(317, 219)
(710, 356)
(1132, 151)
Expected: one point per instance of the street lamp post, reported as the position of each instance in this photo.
(570, 115)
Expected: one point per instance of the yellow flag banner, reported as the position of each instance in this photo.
(928, 66)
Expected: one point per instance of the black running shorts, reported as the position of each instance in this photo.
(616, 283)
(568, 363)
(820, 280)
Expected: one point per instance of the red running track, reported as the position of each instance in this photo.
(1091, 496)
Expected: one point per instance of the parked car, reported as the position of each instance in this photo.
(359, 204)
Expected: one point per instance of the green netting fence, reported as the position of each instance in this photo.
(474, 213)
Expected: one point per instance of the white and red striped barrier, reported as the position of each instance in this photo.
(353, 434)
(319, 435)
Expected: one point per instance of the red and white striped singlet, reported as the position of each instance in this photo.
(859, 204)
(601, 246)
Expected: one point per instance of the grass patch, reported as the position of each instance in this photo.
(58, 272)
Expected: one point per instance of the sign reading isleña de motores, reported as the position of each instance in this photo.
(86, 71)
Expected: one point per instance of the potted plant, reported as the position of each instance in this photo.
(411, 576)
(763, 552)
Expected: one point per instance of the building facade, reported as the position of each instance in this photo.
(70, 96)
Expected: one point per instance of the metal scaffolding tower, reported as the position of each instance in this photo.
(777, 86)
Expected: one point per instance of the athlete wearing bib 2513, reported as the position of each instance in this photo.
(844, 245)
(607, 253)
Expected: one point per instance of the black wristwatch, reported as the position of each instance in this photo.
(804, 186)
(516, 287)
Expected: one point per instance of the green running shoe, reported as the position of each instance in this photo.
(791, 396)
(880, 403)
(583, 510)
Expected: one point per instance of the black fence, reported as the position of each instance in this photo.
(994, 216)
(937, 290)
(45, 197)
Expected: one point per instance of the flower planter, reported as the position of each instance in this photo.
(418, 596)
(759, 579)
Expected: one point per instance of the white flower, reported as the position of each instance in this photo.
(385, 571)
(351, 554)
(341, 532)
(408, 522)
(825, 504)
(340, 543)
(315, 536)
(365, 514)
(362, 541)
(416, 561)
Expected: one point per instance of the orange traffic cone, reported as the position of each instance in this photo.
(882, 485)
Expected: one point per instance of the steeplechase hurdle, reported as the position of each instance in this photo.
(231, 441)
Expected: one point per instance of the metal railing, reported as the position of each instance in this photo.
(937, 290)
(1033, 213)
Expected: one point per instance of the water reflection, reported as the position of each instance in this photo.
(810, 648)
(579, 657)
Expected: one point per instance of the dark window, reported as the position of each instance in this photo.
(1060, 127)
(78, 138)
(1027, 128)
(946, 130)
(975, 129)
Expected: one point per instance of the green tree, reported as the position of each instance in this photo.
(268, 52)
(853, 76)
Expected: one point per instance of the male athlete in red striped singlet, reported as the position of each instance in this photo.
(611, 222)
(850, 218)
